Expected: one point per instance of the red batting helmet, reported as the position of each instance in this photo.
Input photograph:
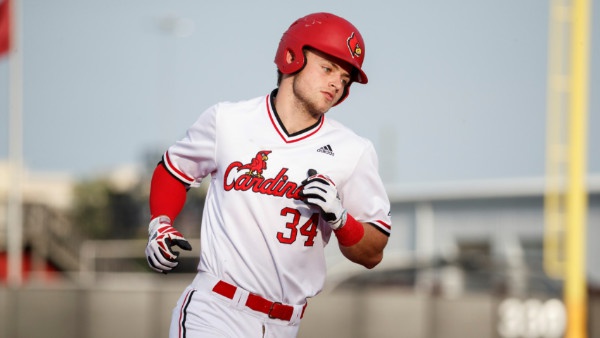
(327, 33)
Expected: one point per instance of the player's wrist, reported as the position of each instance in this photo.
(340, 221)
(156, 222)
(351, 232)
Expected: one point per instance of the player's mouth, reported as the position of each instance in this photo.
(328, 96)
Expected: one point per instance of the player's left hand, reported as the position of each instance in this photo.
(162, 237)
(319, 190)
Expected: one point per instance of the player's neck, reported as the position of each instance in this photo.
(293, 114)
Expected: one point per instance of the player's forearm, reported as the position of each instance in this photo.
(167, 194)
(368, 252)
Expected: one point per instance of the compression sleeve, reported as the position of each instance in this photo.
(167, 194)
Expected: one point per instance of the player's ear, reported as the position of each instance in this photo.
(289, 56)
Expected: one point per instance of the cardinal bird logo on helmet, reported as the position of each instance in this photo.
(354, 46)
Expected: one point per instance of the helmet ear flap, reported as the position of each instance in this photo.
(290, 59)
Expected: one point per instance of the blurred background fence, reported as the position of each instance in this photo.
(133, 307)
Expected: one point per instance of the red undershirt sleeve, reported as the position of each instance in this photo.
(167, 194)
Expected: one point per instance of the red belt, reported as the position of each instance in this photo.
(275, 310)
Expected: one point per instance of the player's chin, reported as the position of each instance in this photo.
(324, 110)
(325, 105)
(319, 108)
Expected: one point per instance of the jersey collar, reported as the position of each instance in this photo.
(280, 128)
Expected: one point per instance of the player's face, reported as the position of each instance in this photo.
(321, 82)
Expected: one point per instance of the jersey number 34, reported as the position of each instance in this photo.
(308, 230)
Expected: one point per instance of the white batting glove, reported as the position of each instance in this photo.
(319, 190)
(162, 237)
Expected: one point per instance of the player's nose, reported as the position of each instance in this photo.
(336, 83)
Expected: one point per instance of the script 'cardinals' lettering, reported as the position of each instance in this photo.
(254, 181)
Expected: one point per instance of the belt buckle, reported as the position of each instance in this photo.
(271, 309)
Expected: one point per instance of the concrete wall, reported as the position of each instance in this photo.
(143, 310)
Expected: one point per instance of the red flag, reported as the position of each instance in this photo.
(4, 26)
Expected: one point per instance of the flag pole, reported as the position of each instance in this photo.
(15, 199)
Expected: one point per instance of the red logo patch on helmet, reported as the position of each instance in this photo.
(354, 46)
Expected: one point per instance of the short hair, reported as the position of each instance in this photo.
(279, 77)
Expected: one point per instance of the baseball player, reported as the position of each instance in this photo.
(284, 178)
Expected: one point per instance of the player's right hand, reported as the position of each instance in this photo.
(319, 190)
(162, 237)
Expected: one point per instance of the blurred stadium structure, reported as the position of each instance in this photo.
(464, 260)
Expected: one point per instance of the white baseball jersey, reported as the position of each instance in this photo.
(256, 233)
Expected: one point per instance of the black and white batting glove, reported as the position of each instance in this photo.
(319, 190)
(162, 237)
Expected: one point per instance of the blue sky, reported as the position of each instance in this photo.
(457, 89)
